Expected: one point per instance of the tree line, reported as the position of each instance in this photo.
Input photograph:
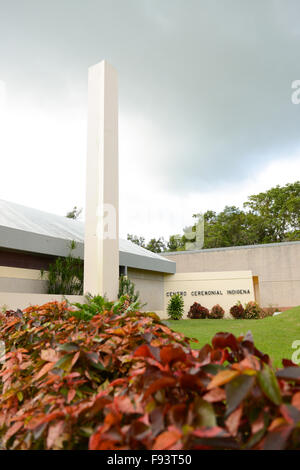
(272, 216)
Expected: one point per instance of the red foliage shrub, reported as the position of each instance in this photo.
(253, 311)
(217, 312)
(127, 381)
(197, 311)
(238, 311)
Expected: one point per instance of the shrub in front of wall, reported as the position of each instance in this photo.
(253, 311)
(237, 311)
(265, 312)
(126, 381)
(127, 287)
(217, 312)
(175, 307)
(65, 275)
(197, 311)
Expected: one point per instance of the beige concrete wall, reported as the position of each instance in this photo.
(276, 266)
(225, 288)
(150, 284)
(22, 280)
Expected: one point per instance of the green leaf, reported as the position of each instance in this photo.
(205, 413)
(94, 361)
(237, 390)
(269, 385)
(68, 347)
(65, 362)
(98, 339)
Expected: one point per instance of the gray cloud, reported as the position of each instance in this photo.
(212, 77)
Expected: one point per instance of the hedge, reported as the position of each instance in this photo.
(127, 381)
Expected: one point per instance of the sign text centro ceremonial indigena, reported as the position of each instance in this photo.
(210, 292)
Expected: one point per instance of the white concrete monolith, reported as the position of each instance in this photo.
(101, 250)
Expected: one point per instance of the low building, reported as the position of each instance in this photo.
(275, 269)
(31, 239)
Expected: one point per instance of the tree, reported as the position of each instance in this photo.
(279, 209)
(140, 241)
(231, 227)
(268, 217)
(74, 214)
(175, 243)
(272, 216)
(157, 246)
(175, 307)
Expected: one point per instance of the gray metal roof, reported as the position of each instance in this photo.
(228, 248)
(27, 229)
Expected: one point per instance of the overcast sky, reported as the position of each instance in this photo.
(206, 116)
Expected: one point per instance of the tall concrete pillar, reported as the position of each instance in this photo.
(101, 250)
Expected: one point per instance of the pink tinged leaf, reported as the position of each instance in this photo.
(225, 340)
(54, 433)
(258, 424)
(136, 372)
(49, 355)
(75, 358)
(159, 384)
(166, 440)
(35, 422)
(170, 354)
(71, 395)
(125, 405)
(204, 354)
(143, 351)
(44, 370)
(12, 431)
(249, 362)
(296, 400)
(216, 431)
(232, 423)
(215, 395)
(222, 378)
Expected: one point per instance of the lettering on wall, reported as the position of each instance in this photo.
(196, 293)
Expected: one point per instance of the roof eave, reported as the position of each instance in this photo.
(20, 240)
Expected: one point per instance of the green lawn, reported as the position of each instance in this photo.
(272, 335)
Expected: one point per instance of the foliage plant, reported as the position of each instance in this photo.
(217, 312)
(125, 381)
(127, 287)
(65, 275)
(197, 311)
(94, 305)
(175, 307)
(97, 305)
(253, 311)
(237, 311)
